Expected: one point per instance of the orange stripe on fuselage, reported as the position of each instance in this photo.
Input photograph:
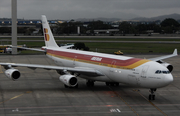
(104, 61)
(136, 64)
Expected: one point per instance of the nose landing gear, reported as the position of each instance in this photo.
(152, 95)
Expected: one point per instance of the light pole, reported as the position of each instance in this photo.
(14, 25)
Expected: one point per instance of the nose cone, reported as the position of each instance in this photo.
(168, 79)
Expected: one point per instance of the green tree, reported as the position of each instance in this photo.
(22, 29)
(97, 25)
(5, 30)
(81, 45)
(156, 28)
(143, 28)
(127, 28)
(170, 25)
(70, 28)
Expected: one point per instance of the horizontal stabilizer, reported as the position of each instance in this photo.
(33, 49)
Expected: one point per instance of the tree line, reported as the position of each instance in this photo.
(167, 26)
(22, 30)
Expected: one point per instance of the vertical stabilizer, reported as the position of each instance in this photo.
(48, 36)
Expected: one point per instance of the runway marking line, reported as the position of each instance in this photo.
(150, 102)
(124, 101)
(16, 97)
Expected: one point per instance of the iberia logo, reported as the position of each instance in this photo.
(46, 34)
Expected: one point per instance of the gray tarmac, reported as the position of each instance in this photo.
(40, 93)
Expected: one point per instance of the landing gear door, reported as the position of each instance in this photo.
(144, 71)
(133, 80)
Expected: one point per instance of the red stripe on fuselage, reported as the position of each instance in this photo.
(104, 60)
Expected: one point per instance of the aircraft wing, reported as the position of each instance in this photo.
(67, 46)
(165, 57)
(40, 50)
(79, 70)
(33, 49)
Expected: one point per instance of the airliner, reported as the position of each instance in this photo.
(112, 69)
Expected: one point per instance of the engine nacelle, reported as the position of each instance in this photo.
(13, 74)
(168, 66)
(165, 64)
(69, 80)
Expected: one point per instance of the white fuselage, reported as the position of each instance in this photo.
(121, 69)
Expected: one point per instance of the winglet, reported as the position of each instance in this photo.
(175, 52)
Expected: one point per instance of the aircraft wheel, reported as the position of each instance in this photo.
(116, 84)
(149, 97)
(90, 83)
(71, 87)
(107, 84)
(76, 86)
(153, 97)
(66, 86)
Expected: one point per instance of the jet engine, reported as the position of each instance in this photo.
(69, 80)
(12, 74)
(167, 65)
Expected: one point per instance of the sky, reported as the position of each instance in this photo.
(74, 9)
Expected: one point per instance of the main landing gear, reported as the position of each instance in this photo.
(90, 83)
(71, 87)
(112, 84)
(152, 95)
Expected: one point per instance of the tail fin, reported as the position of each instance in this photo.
(48, 36)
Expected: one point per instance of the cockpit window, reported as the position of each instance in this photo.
(158, 72)
(164, 72)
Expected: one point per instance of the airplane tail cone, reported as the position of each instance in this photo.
(48, 36)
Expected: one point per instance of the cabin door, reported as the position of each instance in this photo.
(74, 61)
(144, 71)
